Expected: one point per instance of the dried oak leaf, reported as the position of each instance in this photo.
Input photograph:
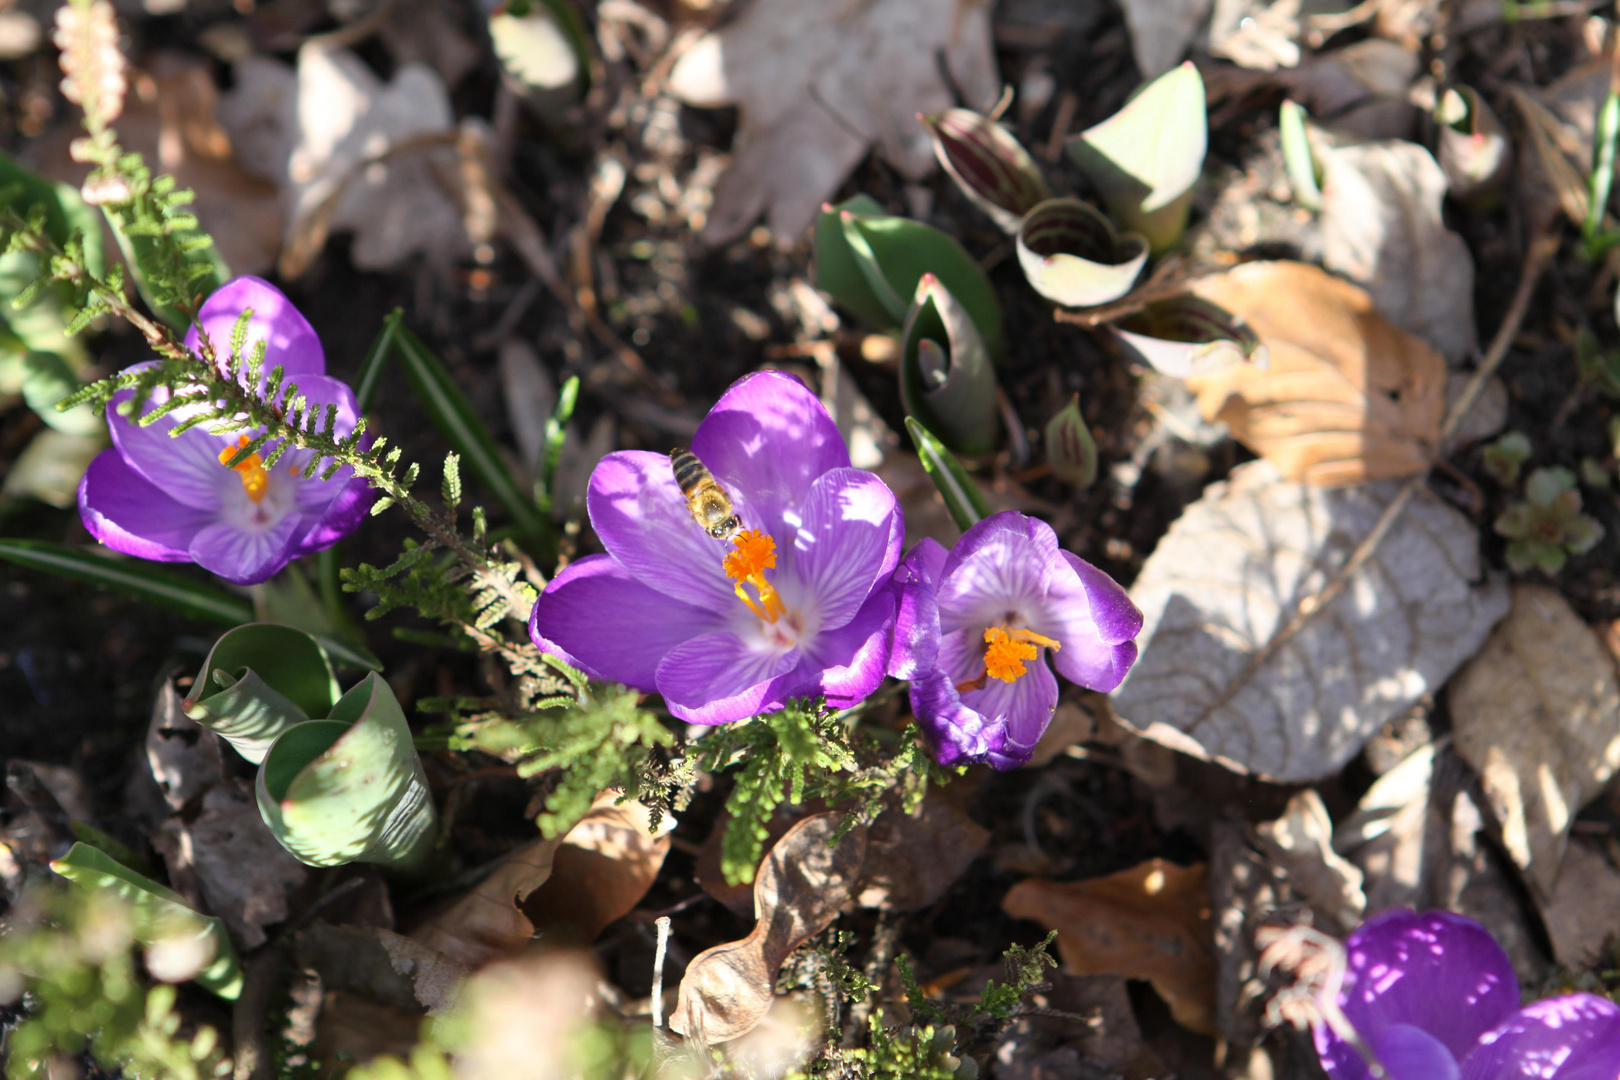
(1347, 396)
(1149, 922)
(1382, 227)
(1236, 568)
(728, 989)
(818, 84)
(1537, 714)
(567, 878)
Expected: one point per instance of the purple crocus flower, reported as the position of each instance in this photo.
(172, 499)
(1434, 997)
(797, 603)
(974, 626)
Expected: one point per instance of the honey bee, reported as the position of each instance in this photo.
(706, 500)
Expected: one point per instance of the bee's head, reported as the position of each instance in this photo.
(724, 530)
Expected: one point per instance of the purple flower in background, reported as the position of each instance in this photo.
(1434, 997)
(798, 603)
(173, 499)
(974, 626)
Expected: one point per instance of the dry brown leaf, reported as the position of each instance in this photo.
(1537, 714)
(819, 84)
(912, 859)
(1346, 398)
(727, 990)
(605, 866)
(1580, 915)
(1149, 922)
(388, 968)
(184, 756)
(496, 918)
(227, 858)
(1301, 843)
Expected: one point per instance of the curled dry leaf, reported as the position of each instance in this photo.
(1346, 397)
(1537, 714)
(1241, 564)
(727, 990)
(821, 83)
(387, 968)
(503, 913)
(1149, 922)
(184, 756)
(1301, 842)
(1382, 227)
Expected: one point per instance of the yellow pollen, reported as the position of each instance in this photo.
(1006, 650)
(755, 554)
(255, 477)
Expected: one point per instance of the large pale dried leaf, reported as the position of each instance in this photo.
(227, 857)
(818, 84)
(1580, 914)
(1382, 228)
(605, 866)
(1346, 396)
(389, 968)
(1537, 714)
(1235, 569)
(502, 914)
(1161, 31)
(1301, 842)
(351, 153)
(1149, 922)
(727, 990)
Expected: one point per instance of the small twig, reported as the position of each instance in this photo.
(658, 971)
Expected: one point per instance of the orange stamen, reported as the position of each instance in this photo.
(755, 554)
(255, 478)
(1005, 652)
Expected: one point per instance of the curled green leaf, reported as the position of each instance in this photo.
(962, 496)
(1187, 334)
(258, 681)
(1072, 256)
(1146, 158)
(350, 788)
(946, 378)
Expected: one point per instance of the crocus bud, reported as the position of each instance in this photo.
(989, 164)
(1070, 449)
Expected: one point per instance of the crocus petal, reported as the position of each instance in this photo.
(914, 648)
(244, 556)
(609, 625)
(1094, 620)
(289, 339)
(849, 541)
(1001, 563)
(1437, 971)
(770, 437)
(715, 678)
(128, 514)
(1409, 1053)
(640, 516)
(1576, 1037)
(185, 467)
(1022, 709)
(849, 662)
(955, 733)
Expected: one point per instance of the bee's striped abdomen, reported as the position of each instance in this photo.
(689, 471)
